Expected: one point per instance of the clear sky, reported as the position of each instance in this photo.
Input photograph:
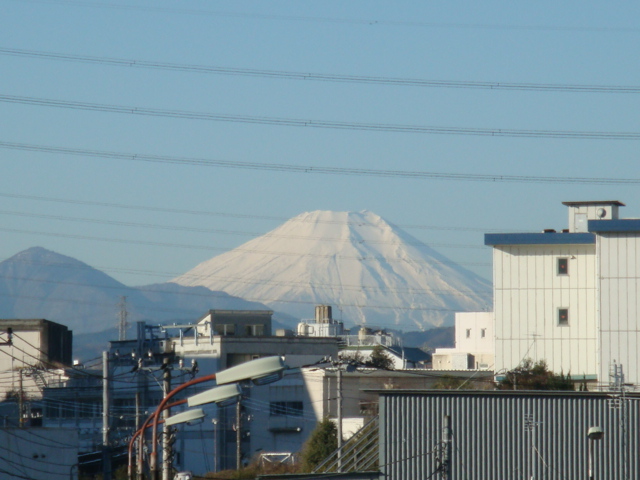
(144, 221)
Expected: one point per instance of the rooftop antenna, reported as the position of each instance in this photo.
(122, 319)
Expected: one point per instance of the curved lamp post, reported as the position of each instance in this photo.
(185, 417)
(595, 433)
(260, 371)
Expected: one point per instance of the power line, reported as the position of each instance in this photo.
(371, 22)
(324, 124)
(207, 213)
(321, 77)
(239, 280)
(311, 169)
(240, 250)
(231, 232)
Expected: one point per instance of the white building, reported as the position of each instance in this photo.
(571, 297)
(32, 356)
(360, 346)
(474, 350)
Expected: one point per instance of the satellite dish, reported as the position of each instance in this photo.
(601, 213)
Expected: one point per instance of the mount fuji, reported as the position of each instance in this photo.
(372, 272)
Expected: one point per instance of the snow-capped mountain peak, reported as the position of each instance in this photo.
(371, 271)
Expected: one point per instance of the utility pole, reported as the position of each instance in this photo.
(339, 400)
(166, 444)
(20, 399)
(106, 424)
(238, 436)
(215, 444)
(447, 448)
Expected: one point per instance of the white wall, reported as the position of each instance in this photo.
(527, 295)
(474, 332)
(23, 353)
(619, 293)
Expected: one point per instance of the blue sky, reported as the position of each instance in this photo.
(66, 202)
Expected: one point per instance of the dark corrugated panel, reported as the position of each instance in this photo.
(507, 436)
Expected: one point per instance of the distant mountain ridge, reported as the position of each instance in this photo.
(39, 283)
(370, 271)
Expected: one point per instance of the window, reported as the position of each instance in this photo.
(293, 409)
(483, 332)
(254, 330)
(224, 329)
(468, 333)
(563, 316)
(563, 266)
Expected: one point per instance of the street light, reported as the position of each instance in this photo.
(185, 417)
(223, 396)
(261, 371)
(595, 433)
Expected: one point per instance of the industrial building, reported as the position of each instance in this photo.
(570, 297)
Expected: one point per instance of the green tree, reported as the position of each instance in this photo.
(322, 443)
(380, 359)
(535, 376)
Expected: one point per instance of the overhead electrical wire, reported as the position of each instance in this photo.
(252, 299)
(229, 232)
(238, 250)
(209, 213)
(323, 124)
(414, 291)
(316, 169)
(371, 22)
(320, 77)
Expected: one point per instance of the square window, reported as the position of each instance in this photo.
(563, 266)
(563, 316)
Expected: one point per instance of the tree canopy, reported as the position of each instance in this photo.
(380, 359)
(535, 376)
(322, 442)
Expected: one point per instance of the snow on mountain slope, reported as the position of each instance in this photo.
(373, 272)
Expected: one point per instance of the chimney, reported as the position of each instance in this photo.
(323, 314)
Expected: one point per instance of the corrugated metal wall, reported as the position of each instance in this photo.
(491, 439)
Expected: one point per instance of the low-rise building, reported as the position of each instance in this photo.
(474, 344)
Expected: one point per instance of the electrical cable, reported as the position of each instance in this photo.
(148, 208)
(321, 77)
(230, 232)
(308, 123)
(227, 249)
(371, 22)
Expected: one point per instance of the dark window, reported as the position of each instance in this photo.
(563, 316)
(563, 266)
(224, 329)
(286, 408)
(254, 330)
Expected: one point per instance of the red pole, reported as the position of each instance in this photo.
(153, 459)
(140, 431)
